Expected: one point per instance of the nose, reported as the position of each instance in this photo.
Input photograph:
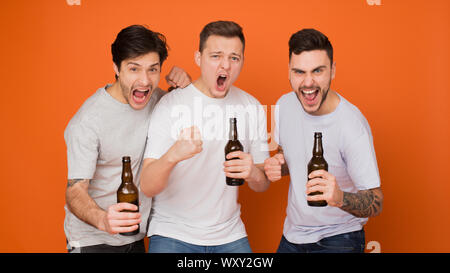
(308, 81)
(144, 79)
(225, 64)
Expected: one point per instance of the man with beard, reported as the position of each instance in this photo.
(351, 186)
(113, 123)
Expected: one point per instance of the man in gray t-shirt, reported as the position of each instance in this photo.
(351, 186)
(113, 123)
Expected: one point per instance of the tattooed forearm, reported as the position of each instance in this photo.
(366, 203)
(72, 182)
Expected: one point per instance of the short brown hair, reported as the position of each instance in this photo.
(227, 29)
(309, 39)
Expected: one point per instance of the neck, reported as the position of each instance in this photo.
(329, 105)
(116, 92)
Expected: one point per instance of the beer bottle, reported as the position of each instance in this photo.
(317, 162)
(233, 145)
(127, 191)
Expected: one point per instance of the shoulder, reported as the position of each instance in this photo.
(354, 120)
(89, 112)
(243, 96)
(287, 98)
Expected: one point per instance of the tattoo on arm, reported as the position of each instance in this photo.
(366, 203)
(72, 182)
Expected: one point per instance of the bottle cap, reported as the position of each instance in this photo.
(126, 159)
(317, 134)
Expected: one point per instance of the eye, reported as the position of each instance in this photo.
(235, 59)
(133, 69)
(318, 70)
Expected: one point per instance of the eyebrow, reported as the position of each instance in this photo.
(299, 70)
(221, 52)
(133, 63)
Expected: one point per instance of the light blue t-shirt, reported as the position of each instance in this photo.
(350, 154)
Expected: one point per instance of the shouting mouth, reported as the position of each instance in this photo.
(221, 80)
(310, 95)
(140, 95)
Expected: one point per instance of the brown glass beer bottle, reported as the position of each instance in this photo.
(127, 191)
(317, 162)
(233, 145)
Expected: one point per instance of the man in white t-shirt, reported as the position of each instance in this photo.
(184, 168)
(351, 186)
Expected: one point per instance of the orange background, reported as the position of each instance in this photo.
(392, 62)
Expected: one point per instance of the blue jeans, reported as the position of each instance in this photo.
(352, 242)
(160, 244)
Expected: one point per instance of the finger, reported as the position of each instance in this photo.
(234, 162)
(185, 134)
(186, 82)
(317, 197)
(320, 173)
(235, 175)
(235, 169)
(171, 83)
(124, 229)
(176, 78)
(316, 181)
(280, 158)
(124, 206)
(195, 134)
(124, 216)
(124, 223)
(235, 154)
(316, 188)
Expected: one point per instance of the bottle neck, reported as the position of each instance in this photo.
(127, 175)
(233, 129)
(318, 149)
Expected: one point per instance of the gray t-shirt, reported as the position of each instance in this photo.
(348, 149)
(97, 137)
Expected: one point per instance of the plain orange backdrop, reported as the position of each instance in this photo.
(392, 62)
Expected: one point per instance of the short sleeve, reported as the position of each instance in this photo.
(161, 132)
(82, 151)
(362, 163)
(259, 148)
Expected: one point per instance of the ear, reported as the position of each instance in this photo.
(333, 70)
(197, 57)
(116, 69)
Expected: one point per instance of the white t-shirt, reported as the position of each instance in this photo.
(197, 206)
(97, 137)
(350, 154)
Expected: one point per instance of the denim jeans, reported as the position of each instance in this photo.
(136, 247)
(352, 242)
(160, 244)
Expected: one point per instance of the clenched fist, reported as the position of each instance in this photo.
(189, 143)
(272, 167)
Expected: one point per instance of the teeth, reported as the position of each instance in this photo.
(308, 92)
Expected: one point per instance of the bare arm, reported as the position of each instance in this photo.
(155, 172)
(366, 203)
(84, 207)
(258, 181)
(81, 204)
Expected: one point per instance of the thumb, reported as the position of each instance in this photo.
(280, 158)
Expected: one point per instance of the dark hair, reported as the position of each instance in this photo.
(309, 39)
(227, 29)
(137, 40)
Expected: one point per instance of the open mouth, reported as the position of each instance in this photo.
(221, 79)
(139, 96)
(310, 95)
